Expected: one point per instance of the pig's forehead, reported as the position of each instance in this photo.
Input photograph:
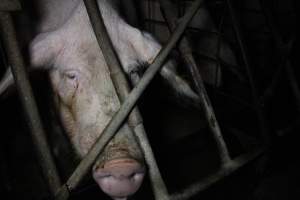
(81, 55)
(79, 42)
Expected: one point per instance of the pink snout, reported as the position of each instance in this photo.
(120, 178)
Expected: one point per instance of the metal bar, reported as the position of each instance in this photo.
(122, 88)
(186, 52)
(235, 164)
(28, 102)
(260, 115)
(127, 106)
(10, 5)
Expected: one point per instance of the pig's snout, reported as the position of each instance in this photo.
(120, 178)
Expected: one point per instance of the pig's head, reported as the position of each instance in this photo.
(86, 101)
(85, 96)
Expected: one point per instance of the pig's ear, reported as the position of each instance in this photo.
(43, 50)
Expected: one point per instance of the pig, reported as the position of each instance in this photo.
(65, 46)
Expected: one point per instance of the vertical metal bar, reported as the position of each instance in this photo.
(186, 52)
(127, 106)
(28, 102)
(260, 115)
(134, 119)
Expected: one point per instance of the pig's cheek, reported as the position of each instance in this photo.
(68, 121)
(67, 90)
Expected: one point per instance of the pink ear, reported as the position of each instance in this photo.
(44, 48)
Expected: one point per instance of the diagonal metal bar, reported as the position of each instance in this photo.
(223, 172)
(25, 92)
(122, 87)
(127, 106)
(186, 52)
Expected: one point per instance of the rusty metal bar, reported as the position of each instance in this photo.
(260, 115)
(10, 5)
(122, 87)
(127, 106)
(235, 164)
(186, 52)
(25, 92)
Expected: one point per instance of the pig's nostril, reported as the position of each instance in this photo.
(120, 178)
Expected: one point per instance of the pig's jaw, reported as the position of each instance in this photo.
(120, 178)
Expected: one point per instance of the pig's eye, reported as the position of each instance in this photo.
(68, 84)
(72, 75)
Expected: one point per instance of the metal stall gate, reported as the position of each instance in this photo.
(128, 110)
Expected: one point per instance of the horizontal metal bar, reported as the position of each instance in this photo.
(10, 5)
(233, 166)
(122, 88)
(25, 92)
(128, 104)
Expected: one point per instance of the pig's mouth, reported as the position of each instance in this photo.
(120, 178)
